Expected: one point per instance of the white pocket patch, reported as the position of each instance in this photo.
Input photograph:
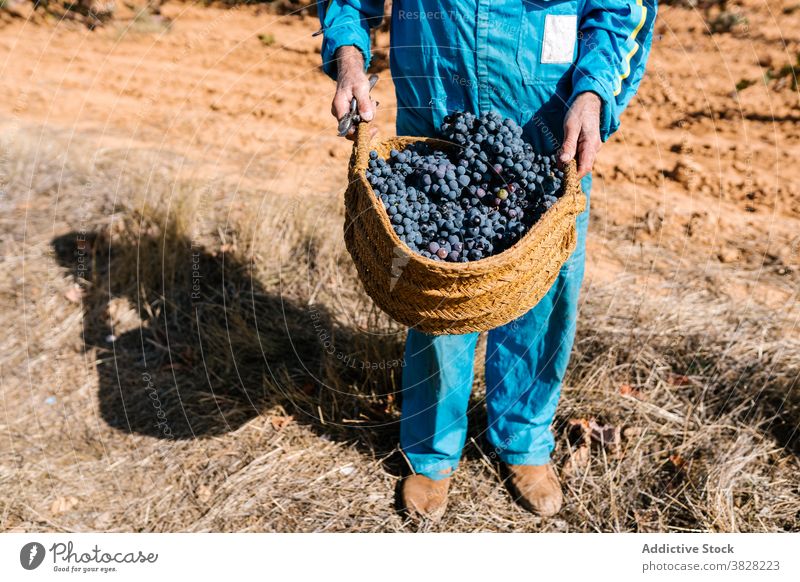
(560, 34)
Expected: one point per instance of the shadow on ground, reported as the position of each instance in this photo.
(211, 347)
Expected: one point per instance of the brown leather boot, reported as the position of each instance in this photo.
(424, 497)
(536, 488)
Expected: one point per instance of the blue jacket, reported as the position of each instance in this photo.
(526, 59)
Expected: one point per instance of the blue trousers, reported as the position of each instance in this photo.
(526, 360)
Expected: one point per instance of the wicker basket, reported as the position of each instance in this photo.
(452, 298)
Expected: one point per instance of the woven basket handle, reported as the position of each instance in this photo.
(570, 175)
(361, 147)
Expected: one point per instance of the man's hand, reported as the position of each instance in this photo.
(582, 132)
(351, 81)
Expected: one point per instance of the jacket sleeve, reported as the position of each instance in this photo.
(615, 39)
(347, 23)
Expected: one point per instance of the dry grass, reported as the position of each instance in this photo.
(169, 366)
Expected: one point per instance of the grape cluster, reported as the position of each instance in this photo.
(473, 202)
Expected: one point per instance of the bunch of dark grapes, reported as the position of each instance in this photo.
(472, 203)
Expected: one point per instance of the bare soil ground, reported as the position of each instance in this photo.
(187, 348)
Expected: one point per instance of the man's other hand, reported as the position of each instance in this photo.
(351, 81)
(582, 132)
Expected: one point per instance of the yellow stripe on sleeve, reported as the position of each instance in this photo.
(635, 48)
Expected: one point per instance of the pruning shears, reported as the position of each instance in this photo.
(352, 116)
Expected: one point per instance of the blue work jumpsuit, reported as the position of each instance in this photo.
(526, 60)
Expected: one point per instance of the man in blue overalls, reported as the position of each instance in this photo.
(564, 70)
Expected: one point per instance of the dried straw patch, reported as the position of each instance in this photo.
(168, 369)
